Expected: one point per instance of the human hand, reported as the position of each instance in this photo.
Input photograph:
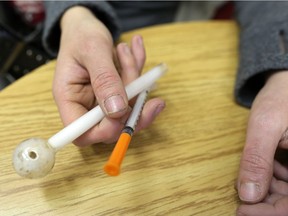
(90, 71)
(263, 176)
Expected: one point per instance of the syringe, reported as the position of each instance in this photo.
(113, 166)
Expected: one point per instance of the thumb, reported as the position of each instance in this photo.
(256, 163)
(93, 50)
(265, 128)
(109, 90)
(107, 84)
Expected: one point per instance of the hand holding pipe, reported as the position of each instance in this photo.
(35, 157)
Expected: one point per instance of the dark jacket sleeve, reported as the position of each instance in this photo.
(55, 9)
(263, 45)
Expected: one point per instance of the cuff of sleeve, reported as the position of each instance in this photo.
(263, 49)
(52, 32)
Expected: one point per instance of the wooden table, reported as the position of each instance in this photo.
(186, 163)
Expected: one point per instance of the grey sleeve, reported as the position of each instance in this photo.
(55, 9)
(263, 45)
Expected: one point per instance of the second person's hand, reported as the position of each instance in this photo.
(263, 176)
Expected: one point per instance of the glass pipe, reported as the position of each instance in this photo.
(35, 157)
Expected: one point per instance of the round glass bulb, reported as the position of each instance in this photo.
(33, 158)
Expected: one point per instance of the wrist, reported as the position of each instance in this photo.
(281, 75)
(75, 14)
(81, 20)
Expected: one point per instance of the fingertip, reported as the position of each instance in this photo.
(250, 192)
(159, 108)
(138, 39)
(150, 111)
(253, 183)
(138, 50)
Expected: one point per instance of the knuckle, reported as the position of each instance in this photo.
(240, 211)
(104, 80)
(108, 137)
(268, 121)
(142, 59)
(79, 143)
(254, 162)
(110, 132)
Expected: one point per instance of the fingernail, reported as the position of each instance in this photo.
(140, 41)
(249, 191)
(126, 49)
(114, 104)
(158, 109)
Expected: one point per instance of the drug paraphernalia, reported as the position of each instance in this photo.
(35, 157)
(113, 166)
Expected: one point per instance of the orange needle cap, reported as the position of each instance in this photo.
(112, 167)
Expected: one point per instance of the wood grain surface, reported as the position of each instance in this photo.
(186, 163)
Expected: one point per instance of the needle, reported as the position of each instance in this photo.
(113, 166)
